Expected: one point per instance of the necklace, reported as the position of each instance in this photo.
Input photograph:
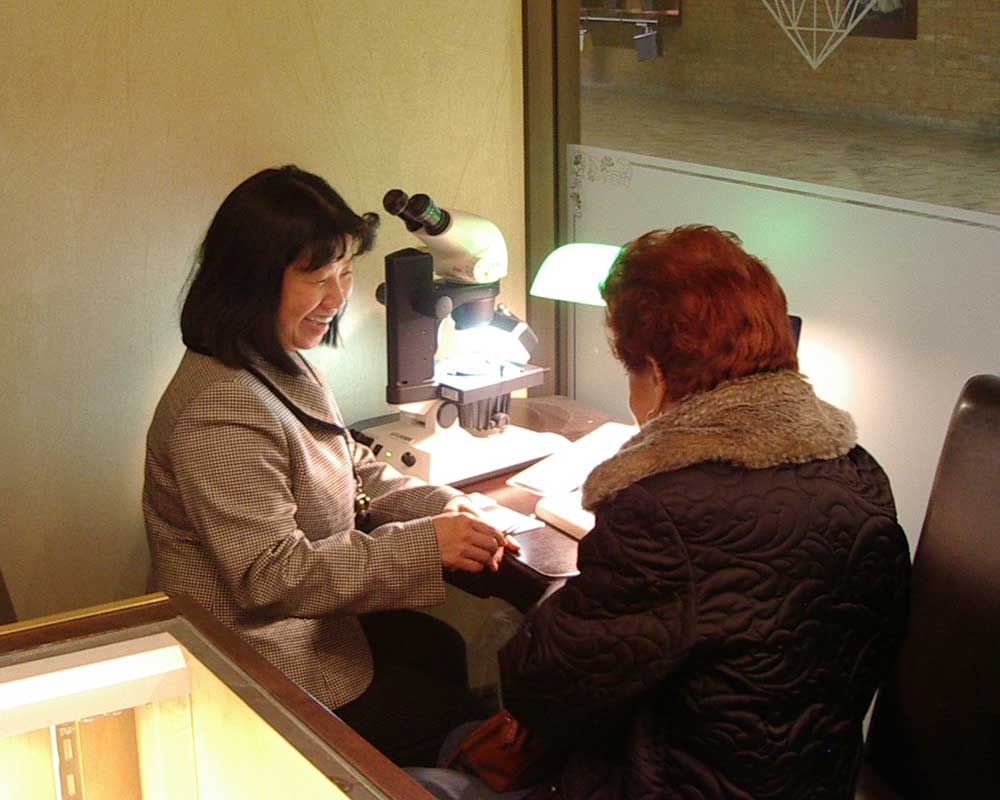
(362, 501)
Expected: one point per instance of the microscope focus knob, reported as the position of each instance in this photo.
(435, 306)
(447, 414)
(499, 421)
(443, 307)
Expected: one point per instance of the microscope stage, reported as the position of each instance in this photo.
(453, 455)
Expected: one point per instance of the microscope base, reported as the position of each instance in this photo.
(453, 455)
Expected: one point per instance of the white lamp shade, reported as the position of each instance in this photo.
(574, 273)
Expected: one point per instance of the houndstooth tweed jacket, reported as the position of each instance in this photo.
(250, 511)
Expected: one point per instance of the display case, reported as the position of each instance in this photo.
(154, 699)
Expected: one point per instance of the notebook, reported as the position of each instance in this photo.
(563, 511)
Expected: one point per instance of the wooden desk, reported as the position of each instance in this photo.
(547, 554)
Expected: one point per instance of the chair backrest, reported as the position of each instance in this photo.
(935, 730)
(6, 606)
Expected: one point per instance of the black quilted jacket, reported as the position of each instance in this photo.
(730, 623)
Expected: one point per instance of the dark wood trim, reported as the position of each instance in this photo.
(902, 25)
(551, 121)
(86, 622)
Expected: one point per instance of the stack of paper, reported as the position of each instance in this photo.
(559, 477)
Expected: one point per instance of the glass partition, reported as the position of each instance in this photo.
(867, 180)
(904, 103)
(153, 699)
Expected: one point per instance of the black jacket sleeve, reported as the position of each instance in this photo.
(592, 649)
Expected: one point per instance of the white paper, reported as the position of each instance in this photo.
(567, 469)
(502, 518)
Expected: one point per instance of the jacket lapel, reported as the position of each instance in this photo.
(300, 390)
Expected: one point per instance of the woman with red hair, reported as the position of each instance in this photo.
(688, 310)
(744, 590)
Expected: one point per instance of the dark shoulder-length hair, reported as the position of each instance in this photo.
(703, 309)
(269, 221)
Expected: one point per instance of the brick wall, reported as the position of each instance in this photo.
(733, 50)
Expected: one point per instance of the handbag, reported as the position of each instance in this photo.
(503, 753)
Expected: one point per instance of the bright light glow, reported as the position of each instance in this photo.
(487, 343)
(88, 677)
(86, 683)
(575, 272)
(826, 370)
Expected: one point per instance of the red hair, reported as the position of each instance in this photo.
(703, 309)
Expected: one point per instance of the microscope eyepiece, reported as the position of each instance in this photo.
(394, 202)
(417, 212)
(422, 208)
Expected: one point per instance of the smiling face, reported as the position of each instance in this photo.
(311, 299)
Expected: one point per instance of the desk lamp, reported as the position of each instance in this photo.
(574, 273)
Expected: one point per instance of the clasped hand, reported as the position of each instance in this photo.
(466, 541)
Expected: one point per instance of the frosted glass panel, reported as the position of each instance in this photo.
(899, 299)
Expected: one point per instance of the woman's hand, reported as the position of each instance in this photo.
(462, 503)
(467, 542)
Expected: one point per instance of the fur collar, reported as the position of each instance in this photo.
(759, 421)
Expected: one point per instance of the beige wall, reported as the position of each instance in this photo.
(734, 50)
(122, 126)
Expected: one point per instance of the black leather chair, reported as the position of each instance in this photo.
(6, 606)
(935, 729)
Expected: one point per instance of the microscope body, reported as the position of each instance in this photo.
(453, 423)
(415, 306)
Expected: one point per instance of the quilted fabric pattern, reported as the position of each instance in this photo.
(251, 512)
(725, 636)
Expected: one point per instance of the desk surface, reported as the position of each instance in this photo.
(547, 552)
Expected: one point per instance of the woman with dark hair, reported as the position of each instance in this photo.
(744, 590)
(259, 504)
